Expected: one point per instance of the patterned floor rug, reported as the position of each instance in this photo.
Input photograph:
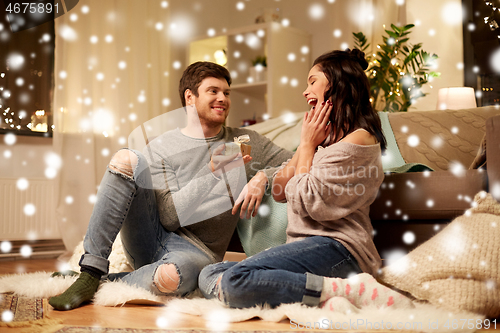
(20, 309)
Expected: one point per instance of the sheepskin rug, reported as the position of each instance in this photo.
(423, 318)
(343, 315)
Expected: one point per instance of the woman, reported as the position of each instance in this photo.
(329, 185)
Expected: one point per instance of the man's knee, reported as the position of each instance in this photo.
(167, 278)
(124, 162)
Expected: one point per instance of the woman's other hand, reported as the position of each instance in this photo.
(316, 126)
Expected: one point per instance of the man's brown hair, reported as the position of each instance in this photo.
(197, 72)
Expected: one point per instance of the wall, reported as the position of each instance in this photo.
(345, 15)
(442, 17)
(192, 18)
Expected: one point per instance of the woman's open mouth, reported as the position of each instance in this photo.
(312, 101)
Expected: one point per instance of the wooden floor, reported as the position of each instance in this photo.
(127, 316)
(133, 316)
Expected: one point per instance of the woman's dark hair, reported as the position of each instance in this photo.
(349, 91)
(197, 72)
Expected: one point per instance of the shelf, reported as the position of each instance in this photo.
(252, 89)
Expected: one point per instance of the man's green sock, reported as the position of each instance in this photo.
(82, 290)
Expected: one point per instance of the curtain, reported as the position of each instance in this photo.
(111, 75)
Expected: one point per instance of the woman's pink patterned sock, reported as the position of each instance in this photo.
(363, 290)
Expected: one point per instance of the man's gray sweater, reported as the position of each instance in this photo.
(191, 200)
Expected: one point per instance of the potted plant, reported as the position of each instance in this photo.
(258, 71)
(398, 69)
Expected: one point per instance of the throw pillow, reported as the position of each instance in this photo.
(459, 267)
(267, 229)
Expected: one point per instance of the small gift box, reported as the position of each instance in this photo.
(239, 145)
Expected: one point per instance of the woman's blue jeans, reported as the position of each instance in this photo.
(288, 273)
(128, 204)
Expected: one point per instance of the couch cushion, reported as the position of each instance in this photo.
(493, 156)
(267, 229)
(444, 137)
(427, 195)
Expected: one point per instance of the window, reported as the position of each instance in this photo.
(482, 49)
(26, 73)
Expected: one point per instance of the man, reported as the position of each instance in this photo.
(174, 204)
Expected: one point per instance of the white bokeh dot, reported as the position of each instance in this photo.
(291, 56)
(141, 98)
(26, 251)
(495, 61)
(92, 198)
(10, 139)
(240, 5)
(409, 237)
(162, 322)
(7, 154)
(50, 173)
(22, 184)
(337, 33)
(108, 38)
(7, 316)
(164, 4)
(429, 203)
(19, 81)
(15, 61)
(304, 49)
(73, 17)
(122, 65)
(94, 39)
(344, 46)
(285, 22)
(85, 9)
(284, 80)
(165, 102)
(29, 209)
(132, 117)
(451, 13)
(69, 200)
(239, 38)
(99, 76)
(454, 130)
(63, 75)
(294, 82)
(316, 11)
(5, 246)
(264, 210)
(413, 140)
(211, 32)
(176, 64)
(159, 26)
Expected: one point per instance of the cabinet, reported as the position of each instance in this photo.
(279, 91)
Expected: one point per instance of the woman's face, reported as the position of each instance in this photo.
(317, 83)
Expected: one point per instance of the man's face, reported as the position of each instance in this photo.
(213, 101)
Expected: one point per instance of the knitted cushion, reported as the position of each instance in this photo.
(459, 267)
(440, 138)
(267, 229)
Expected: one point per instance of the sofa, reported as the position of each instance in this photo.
(461, 147)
